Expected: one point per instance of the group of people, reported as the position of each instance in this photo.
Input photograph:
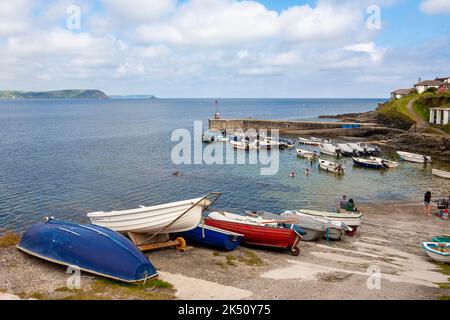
(348, 205)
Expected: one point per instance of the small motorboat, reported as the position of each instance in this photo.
(368, 163)
(413, 157)
(286, 143)
(256, 231)
(211, 136)
(442, 238)
(370, 150)
(162, 219)
(441, 173)
(438, 251)
(386, 163)
(91, 248)
(331, 166)
(319, 140)
(356, 147)
(333, 230)
(346, 150)
(244, 145)
(307, 154)
(329, 149)
(351, 219)
(309, 142)
(213, 237)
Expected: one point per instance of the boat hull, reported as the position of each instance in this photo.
(91, 248)
(370, 164)
(431, 248)
(213, 237)
(441, 239)
(441, 173)
(282, 238)
(412, 157)
(152, 219)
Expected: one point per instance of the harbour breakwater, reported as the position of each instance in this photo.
(302, 127)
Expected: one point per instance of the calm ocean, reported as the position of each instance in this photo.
(67, 158)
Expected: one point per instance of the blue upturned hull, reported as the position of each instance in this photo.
(91, 248)
(213, 237)
(368, 165)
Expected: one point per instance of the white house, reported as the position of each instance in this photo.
(427, 84)
(400, 93)
(439, 115)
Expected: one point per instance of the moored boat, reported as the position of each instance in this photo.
(307, 154)
(286, 143)
(438, 251)
(256, 231)
(413, 157)
(309, 142)
(328, 148)
(356, 148)
(163, 219)
(345, 149)
(244, 145)
(441, 173)
(386, 163)
(368, 163)
(213, 237)
(331, 166)
(91, 248)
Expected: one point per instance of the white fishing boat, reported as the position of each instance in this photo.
(438, 251)
(386, 163)
(319, 140)
(345, 149)
(267, 142)
(350, 219)
(309, 142)
(441, 173)
(328, 148)
(307, 154)
(331, 166)
(244, 145)
(237, 218)
(334, 230)
(356, 148)
(413, 157)
(164, 218)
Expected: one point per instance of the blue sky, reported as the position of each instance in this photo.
(224, 48)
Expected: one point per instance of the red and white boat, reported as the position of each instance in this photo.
(256, 231)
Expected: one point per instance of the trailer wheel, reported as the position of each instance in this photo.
(181, 244)
(295, 251)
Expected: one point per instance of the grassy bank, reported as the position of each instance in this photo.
(396, 114)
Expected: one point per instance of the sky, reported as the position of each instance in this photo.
(224, 48)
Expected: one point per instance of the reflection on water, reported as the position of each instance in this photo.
(66, 158)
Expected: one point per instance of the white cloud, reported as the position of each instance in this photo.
(376, 54)
(435, 6)
(138, 11)
(213, 22)
(14, 17)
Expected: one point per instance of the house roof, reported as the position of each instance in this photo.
(402, 91)
(442, 79)
(442, 108)
(428, 83)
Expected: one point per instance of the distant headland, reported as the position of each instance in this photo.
(59, 94)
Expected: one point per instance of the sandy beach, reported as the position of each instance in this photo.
(388, 242)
